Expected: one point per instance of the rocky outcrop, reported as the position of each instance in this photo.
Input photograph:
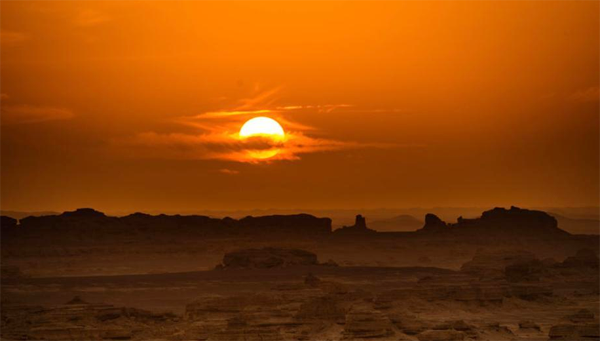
(515, 222)
(359, 228)
(517, 264)
(584, 258)
(267, 258)
(434, 224)
(581, 316)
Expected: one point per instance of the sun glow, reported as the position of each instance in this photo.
(262, 126)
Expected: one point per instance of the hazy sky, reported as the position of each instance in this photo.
(126, 106)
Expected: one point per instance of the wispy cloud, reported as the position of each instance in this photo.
(591, 94)
(11, 37)
(89, 18)
(22, 114)
(231, 147)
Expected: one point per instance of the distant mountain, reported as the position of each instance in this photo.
(19, 214)
(577, 226)
(402, 222)
(87, 222)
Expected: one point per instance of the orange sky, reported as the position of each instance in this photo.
(126, 106)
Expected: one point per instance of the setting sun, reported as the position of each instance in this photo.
(262, 126)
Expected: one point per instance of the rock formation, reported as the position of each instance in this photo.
(516, 264)
(359, 227)
(581, 316)
(585, 258)
(500, 222)
(434, 224)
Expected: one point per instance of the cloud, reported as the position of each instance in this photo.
(217, 135)
(229, 171)
(231, 147)
(11, 37)
(22, 114)
(89, 18)
(591, 94)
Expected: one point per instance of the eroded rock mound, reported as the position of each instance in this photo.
(582, 316)
(515, 264)
(267, 258)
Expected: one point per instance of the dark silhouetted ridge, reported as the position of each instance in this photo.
(499, 221)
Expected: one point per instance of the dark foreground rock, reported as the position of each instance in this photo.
(10, 271)
(7, 222)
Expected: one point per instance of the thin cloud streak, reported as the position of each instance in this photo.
(25, 114)
(90, 18)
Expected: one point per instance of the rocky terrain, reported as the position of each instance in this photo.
(510, 275)
(497, 296)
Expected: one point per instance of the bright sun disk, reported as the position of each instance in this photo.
(262, 126)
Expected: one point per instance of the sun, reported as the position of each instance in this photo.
(262, 126)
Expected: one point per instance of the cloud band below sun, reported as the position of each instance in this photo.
(231, 147)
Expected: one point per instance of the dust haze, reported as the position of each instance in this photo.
(300, 170)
